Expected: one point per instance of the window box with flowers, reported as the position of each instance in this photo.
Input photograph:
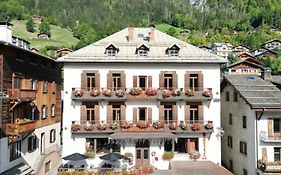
(95, 92)
(173, 126)
(113, 125)
(158, 124)
(183, 125)
(136, 91)
(75, 127)
(89, 127)
(78, 93)
(126, 125)
(209, 125)
(194, 155)
(142, 124)
(166, 94)
(176, 92)
(196, 127)
(107, 93)
(168, 155)
(119, 93)
(150, 92)
(207, 93)
(189, 92)
(101, 126)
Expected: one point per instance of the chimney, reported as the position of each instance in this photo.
(130, 33)
(151, 33)
(6, 32)
(266, 74)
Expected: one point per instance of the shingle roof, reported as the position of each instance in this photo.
(157, 46)
(257, 92)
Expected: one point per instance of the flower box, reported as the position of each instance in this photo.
(113, 125)
(196, 127)
(120, 93)
(183, 126)
(107, 93)
(150, 92)
(189, 92)
(176, 92)
(158, 124)
(194, 155)
(209, 125)
(207, 93)
(126, 125)
(95, 92)
(89, 127)
(142, 124)
(78, 93)
(173, 126)
(166, 93)
(136, 91)
(101, 126)
(75, 127)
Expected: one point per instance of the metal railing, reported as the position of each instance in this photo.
(274, 137)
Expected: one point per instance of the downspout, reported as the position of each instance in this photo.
(258, 117)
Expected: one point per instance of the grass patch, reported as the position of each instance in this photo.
(163, 27)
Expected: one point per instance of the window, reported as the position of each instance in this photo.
(17, 82)
(243, 147)
(52, 136)
(44, 112)
(227, 96)
(235, 96)
(111, 52)
(142, 113)
(15, 150)
(116, 112)
(230, 166)
(45, 86)
(31, 144)
(276, 125)
(91, 83)
(230, 119)
(245, 172)
(229, 141)
(173, 52)
(142, 52)
(194, 114)
(277, 153)
(47, 166)
(168, 81)
(90, 112)
(244, 118)
(53, 110)
(193, 82)
(142, 80)
(116, 81)
(33, 84)
(168, 113)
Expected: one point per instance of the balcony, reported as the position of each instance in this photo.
(275, 137)
(140, 94)
(269, 167)
(22, 94)
(142, 126)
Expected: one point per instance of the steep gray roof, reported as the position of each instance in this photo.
(127, 49)
(257, 92)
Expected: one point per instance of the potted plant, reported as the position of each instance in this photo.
(176, 92)
(94, 92)
(158, 124)
(150, 92)
(136, 91)
(166, 93)
(75, 127)
(78, 93)
(173, 126)
(183, 125)
(209, 125)
(189, 92)
(113, 125)
(126, 125)
(168, 155)
(196, 127)
(89, 127)
(101, 126)
(107, 93)
(142, 124)
(194, 155)
(119, 93)
(207, 93)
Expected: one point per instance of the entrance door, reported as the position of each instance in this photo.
(142, 154)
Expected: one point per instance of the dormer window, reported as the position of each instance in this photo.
(142, 50)
(173, 50)
(111, 50)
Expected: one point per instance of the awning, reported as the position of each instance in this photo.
(142, 135)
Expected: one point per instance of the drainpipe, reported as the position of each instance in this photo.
(258, 117)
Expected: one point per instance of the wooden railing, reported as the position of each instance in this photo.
(139, 93)
(21, 94)
(141, 126)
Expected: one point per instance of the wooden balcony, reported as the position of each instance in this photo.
(274, 137)
(22, 94)
(269, 167)
(142, 126)
(140, 94)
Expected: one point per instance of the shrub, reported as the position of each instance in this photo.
(168, 155)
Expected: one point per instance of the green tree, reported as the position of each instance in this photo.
(44, 27)
(29, 25)
(86, 34)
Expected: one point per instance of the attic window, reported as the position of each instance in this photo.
(142, 50)
(111, 50)
(173, 51)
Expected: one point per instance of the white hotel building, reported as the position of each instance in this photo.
(142, 92)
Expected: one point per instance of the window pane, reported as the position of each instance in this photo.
(276, 125)
(138, 154)
(145, 154)
(276, 154)
(142, 114)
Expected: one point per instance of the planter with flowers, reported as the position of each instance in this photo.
(168, 155)
(119, 93)
(176, 92)
(95, 92)
(183, 126)
(150, 92)
(207, 93)
(158, 124)
(194, 155)
(136, 91)
(196, 127)
(89, 127)
(107, 93)
(75, 127)
(113, 125)
(101, 126)
(166, 94)
(189, 92)
(142, 124)
(209, 125)
(173, 126)
(78, 93)
(126, 125)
